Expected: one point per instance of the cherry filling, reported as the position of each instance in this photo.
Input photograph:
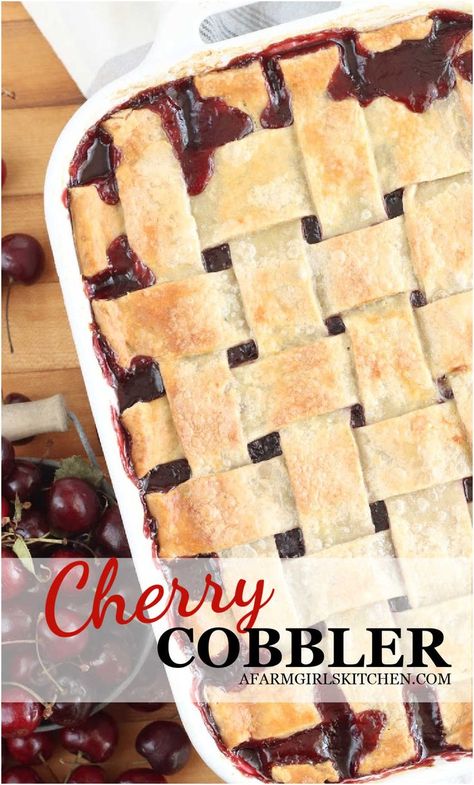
(463, 64)
(311, 229)
(195, 127)
(380, 519)
(335, 325)
(426, 723)
(394, 203)
(277, 113)
(141, 382)
(290, 545)
(417, 299)
(264, 448)
(243, 353)
(416, 73)
(444, 388)
(357, 416)
(467, 486)
(125, 273)
(342, 737)
(217, 259)
(167, 475)
(94, 163)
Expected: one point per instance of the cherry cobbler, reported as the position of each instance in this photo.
(278, 258)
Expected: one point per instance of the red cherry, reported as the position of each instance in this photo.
(58, 559)
(31, 749)
(96, 738)
(18, 622)
(74, 709)
(23, 667)
(113, 664)
(14, 575)
(165, 745)
(8, 458)
(32, 524)
(24, 481)
(109, 535)
(57, 649)
(22, 257)
(92, 774)
(5, 510)
(21, 774)
(74, 506)
(141, 775)
(20, 714)
(146, 706)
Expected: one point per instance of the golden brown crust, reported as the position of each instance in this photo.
(326, 477)
(277, 289)
(96, 224)
(258, 181)
(335, 145)
(392, 374)
(306, 772)
(295, 384)
(153, 435)
(158, 220)
(205, 409)
(240, 87)
(438, 218)
(446, 326)
(403, 141)
(392, 35)
(209, 514)
(415, 451)
(355, 268)
(176, 319)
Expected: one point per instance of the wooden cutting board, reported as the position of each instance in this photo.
(44, 361)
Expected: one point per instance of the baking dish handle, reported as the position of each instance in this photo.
(177, 36)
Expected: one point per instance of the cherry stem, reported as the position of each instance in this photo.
(31, 692)
(7, 315)
(40, 660)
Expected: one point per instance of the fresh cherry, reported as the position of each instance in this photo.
(146, 706)
(24, 481)
(92, 774)
(58, 649)
(21, 774)
(141, 775)
(165, 746)
(74, 506)
(23, 667)
(18, 622)
(31, 749)
(74, 708)
(109, 537)
(8, 458)
(59, 558)
(20, 714)
(113, 664)
(32, 524)
(96, 738)
(22, 257)
(5, 511)
(14, 575)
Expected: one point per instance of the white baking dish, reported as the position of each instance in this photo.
(178, 51)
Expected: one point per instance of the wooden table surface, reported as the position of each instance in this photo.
(44, 361)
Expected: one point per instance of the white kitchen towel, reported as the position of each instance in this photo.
(100, 41)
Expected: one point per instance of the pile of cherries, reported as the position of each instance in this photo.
(59, 519)
(163, 744)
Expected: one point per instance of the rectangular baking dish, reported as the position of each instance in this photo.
(178, 52)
